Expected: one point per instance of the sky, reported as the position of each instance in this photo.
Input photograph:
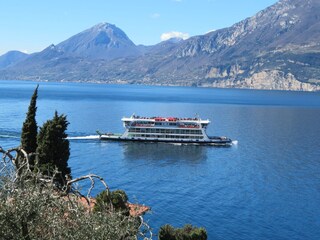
(32, 25)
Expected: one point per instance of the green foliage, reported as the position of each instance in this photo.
(167, 232)
(34, 212)
(32, 207)
(188, 232)
(29, 128)
(117, 198)
(53, 148)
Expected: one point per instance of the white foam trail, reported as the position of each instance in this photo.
(84, 137)
(8, 136)
(177, 144)
(235, 142)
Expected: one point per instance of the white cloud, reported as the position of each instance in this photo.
(155, 15)
(212, 30)
(168, 35)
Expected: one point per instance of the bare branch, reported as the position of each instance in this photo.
(89, 176)
(147, 229)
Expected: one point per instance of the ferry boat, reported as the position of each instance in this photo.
(166, 129)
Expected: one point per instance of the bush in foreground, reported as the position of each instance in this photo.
(117, 198)
(188, 232)
(32, 207)
(34, 212)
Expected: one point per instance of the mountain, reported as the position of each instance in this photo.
(283, 38)
(11, 58)
(278, 48)
(103, 41)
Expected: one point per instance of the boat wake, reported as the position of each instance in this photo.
(235, 142)
(9, 136)
(90, 137)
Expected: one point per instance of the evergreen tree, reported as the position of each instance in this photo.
(29, 128)
(53, 148)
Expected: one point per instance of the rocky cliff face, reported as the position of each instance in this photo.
(284, 37)
(278, 48)
(267, 80)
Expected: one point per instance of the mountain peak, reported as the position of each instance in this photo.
(102, 41)
(104, 25)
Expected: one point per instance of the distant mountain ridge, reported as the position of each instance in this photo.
(11, 58)
(278, 48)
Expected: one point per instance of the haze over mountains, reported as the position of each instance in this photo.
(278, 48)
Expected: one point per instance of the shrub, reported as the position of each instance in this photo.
(32, 207)
(188, 232)
(166, 232)
(34, 212)
(117, 199)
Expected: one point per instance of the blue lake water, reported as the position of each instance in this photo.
(266, 187)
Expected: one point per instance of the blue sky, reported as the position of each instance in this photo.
(32, 25)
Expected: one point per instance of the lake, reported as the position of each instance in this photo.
(265, 187)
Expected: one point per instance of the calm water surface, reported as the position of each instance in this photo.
(266, 187)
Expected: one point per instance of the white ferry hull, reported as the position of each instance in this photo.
(213, 141)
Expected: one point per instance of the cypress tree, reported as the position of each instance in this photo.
(29, 128)
(53, 148)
